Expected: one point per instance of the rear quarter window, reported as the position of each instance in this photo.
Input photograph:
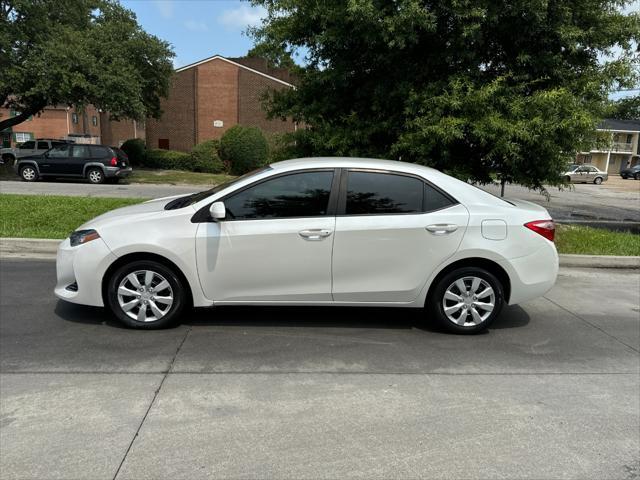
(101, 152)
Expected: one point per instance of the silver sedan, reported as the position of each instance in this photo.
(585, 174)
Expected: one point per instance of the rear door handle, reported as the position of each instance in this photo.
(442, 228)
(314, 234)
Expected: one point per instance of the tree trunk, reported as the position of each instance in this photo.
(18, 119)
(502, 182)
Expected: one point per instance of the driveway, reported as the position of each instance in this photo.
(552, 391)
(615, 201)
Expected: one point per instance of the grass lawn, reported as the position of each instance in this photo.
(595, 241)
(33, 216)
(176, 177)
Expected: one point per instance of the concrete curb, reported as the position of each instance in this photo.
(46, 248)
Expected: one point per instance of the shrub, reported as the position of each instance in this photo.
(243, 149)
(136, 150)
(167, 159)
(205, 157)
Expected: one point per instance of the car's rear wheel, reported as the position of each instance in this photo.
(95, 175)
(28, 173)
(467, 300)
(146, 295)
(597, 180)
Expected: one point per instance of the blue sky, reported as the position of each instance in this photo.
(198, 28)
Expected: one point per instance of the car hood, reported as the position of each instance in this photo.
(126, 213)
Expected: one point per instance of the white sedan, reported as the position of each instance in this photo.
(316, 231)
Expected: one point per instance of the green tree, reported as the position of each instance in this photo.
(478, 88)
(79, 52)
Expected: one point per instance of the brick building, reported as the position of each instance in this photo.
(88, 125)
(210, 96)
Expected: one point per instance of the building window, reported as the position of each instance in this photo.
(163, 143)
(94, 121)
(20, 137)
(74, 118)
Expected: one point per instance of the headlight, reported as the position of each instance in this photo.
(83, 236)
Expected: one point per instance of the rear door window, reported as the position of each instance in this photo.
(43, 146)
(80, 151)
(371, 193)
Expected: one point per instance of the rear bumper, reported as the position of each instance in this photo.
(533, 275)
(116, 172)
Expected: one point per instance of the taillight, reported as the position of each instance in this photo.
(114, 162)
(546, 228)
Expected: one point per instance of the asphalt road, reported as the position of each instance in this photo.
(616, 200)
(552, 391)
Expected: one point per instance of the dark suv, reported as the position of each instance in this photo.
(633, 172)
(96, 163)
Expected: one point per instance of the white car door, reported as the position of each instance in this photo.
(275, 243)
(392, 231)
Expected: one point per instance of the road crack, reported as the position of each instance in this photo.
(153, 400)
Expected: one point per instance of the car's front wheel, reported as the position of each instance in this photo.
(146, 295)
(467, 300)
(28, 173)
(637, 176)
(95, 175)
(624, 176)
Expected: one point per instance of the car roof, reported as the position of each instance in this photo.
(349, 162)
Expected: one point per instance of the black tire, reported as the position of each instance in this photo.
(624, 177)
(637, 176)
(95, 175)
(176, 290)
(597, 180)
(436, 301)
(29, 173)
(567, 179)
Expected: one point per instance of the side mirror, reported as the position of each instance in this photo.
(217, 211)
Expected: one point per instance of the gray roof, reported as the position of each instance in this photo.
(612, 124)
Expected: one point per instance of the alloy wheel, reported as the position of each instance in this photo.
(95, 176)
(28, 173)
(468, 301)
(145, 296)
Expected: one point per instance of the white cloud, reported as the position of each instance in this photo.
(195, 25)
(244, 16)
(165, 7)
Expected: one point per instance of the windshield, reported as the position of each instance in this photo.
(196, 197)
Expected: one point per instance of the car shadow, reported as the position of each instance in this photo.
(512, 316)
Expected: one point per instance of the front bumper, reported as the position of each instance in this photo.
(80, 271)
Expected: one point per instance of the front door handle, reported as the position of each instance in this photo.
(442, 228)
(314, 234)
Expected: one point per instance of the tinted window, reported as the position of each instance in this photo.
(434, 199)
(80, 151)
(59, 152)
(100, 152)
(57, 144)
(43, 146)
(377, 193)
(296, 195)
(27, 145)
